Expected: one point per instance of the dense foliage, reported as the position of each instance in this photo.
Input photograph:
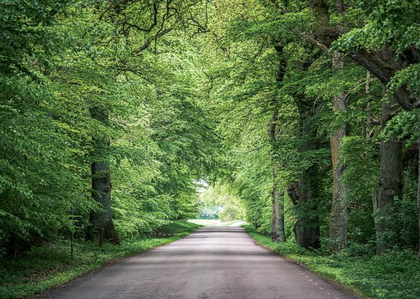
(80, 88)
(318, 109)
(302, 115)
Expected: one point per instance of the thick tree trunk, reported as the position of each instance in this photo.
(339, 209)
(274, 213)
(418, 193)
(307, 237)
(277, 218)
(390, 184)
(276, 234)
(280, 218)
(274, 210)
(306, 228)
(322, 28)
(101, 192)
(102, 224)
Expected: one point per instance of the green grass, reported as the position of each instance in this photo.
(51, 265)
(395, 274)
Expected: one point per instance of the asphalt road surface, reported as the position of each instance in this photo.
(213, 262)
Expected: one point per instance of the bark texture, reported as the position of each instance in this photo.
(277, 198)
(280, 228)
(418, 192)
(304, 194)
(306, 227)
(323, 30)
(277, 218)
(307, 230)
(101, 192)
(383, 64)
(339, 208)
(102, 224)
(391, 182)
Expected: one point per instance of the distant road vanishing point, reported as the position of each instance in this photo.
(213, 262)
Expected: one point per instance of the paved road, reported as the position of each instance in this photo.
(213, 262)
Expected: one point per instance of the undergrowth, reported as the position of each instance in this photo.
(51, 265)
(395, 274)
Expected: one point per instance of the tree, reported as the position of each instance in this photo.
(277, 195)
(385, 58)
(339, 210)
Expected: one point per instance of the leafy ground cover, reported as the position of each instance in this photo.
(52, 264)
(395, 274)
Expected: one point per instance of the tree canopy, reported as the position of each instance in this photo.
(302, 115)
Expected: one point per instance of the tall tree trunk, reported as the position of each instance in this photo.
(277, 217)
(339, 208)
(418, 192)
(274, 210)
(306, 228)
(274, 213)
(280, 217)
(391, 182)
(277, 197)
(102, 223)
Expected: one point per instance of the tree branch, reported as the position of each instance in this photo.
(107, 9)
(313, 41)
(149, 41)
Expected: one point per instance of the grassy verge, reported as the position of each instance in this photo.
(51, 265)
(395, 274)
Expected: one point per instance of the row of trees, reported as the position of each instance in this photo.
(319, 104)
(100, 119)
(309, 109)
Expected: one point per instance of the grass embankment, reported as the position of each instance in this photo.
(51, 265)
(395, 274)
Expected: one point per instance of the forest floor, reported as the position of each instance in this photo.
(395, 274)
(51, 265)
